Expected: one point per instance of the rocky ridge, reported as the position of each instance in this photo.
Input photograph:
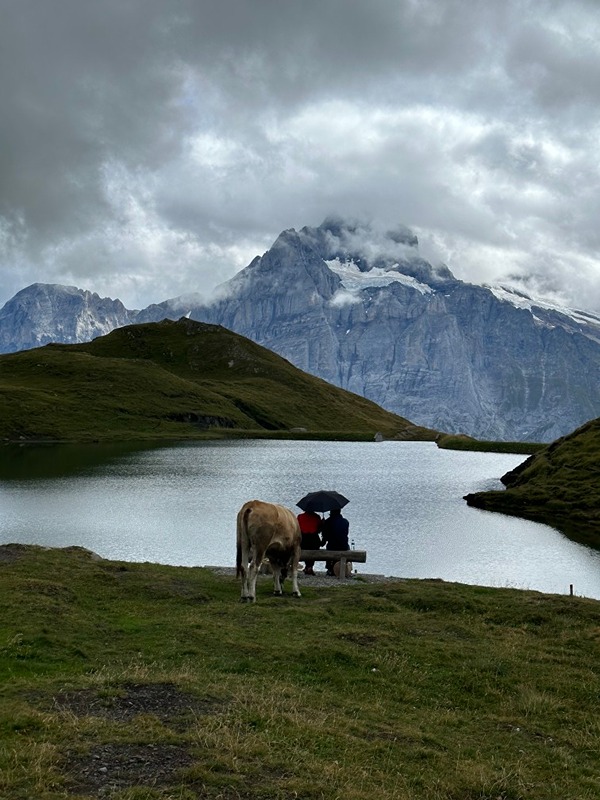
(44, 313)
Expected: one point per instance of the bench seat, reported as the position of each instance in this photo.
(343, 556)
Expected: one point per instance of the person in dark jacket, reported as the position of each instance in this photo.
(334, 533)
(310, 525)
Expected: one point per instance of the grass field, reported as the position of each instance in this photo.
(177, 380)
(136, 681)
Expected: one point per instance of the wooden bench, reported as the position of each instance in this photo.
(343, 556)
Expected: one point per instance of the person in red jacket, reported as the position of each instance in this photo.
(310, 525)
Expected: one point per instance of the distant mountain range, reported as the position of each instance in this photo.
(363, 310)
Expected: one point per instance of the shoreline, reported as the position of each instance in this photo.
(13, 551)
(319, 580)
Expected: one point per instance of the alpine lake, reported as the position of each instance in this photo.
(177, 504)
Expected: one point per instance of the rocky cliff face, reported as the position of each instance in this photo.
(366, 312)
(361, 309)
(44, 313)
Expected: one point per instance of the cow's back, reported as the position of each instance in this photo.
(270, 523)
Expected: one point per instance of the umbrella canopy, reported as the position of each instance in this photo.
(322, 501)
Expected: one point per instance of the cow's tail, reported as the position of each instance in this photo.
(242, 536)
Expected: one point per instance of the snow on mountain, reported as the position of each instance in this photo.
(521, 300)
(355, 280)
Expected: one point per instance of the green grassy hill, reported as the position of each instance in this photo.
(180, 379)
(149, 682)
(560, 485)
(459, 441)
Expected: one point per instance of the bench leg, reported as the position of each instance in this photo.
(342, 572)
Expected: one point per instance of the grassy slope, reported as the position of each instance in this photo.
(559, 485)
(418, 689)
(449, 441)
(151, 380)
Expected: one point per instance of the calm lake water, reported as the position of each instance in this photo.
(177, 504)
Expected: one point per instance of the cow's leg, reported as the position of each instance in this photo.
(277, 590)
(275, 559)
(247, 555)
(252, 575)
(244, 570)
(246, 593)
(295, 589)
(258, 555)
(244, 574)
(295, 561)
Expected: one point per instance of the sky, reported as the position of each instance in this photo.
(152, 148)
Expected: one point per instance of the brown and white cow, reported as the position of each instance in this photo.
(267, 530)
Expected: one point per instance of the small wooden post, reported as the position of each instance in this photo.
(571, 589)
(342, 572)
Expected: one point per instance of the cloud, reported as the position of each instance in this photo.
(344, 298)
(149, 148)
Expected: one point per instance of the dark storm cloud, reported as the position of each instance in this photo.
(149, 148)
(557, 68)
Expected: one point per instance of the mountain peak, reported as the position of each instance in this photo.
(369, 246)
(50, 312)
(56, 292)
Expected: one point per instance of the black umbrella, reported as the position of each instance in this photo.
(322, 501)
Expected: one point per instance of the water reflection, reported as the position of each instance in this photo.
(177, 505)
(26, 462)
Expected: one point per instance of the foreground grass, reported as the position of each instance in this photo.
(415, 689)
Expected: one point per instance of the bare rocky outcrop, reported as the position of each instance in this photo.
(44, 313)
